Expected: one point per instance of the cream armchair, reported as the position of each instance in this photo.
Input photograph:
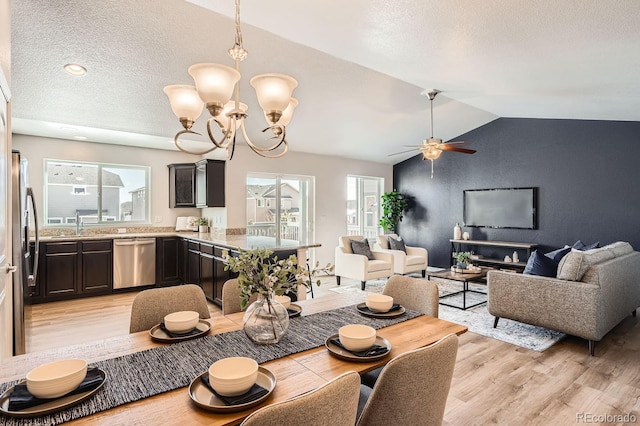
(414, 260)
(358, 266)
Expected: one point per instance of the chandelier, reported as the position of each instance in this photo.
(215, 84)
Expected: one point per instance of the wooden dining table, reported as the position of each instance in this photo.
(295, 374)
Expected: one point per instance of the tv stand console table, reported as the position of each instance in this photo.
(457, 246)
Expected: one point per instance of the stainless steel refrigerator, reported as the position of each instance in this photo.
(23, 207)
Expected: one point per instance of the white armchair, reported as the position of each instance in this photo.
(358, 266)
(414, 260)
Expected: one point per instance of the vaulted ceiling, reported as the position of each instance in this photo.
(361, 66)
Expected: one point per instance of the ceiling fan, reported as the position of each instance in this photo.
(432, 148)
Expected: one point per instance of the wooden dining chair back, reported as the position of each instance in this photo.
(231, 297)
(334, 403)
(151, 306)
(416, 294)
(413, 388)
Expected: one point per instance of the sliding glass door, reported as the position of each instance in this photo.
(280, 206)
(363, 205)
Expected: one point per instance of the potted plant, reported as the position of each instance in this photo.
(464, 259)
(394, 205)
(266, 320)
(203, 224)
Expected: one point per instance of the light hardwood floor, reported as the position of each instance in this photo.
(494, 382)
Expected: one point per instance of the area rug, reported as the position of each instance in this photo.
(477, 319)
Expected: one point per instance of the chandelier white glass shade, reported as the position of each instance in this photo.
(215, 85)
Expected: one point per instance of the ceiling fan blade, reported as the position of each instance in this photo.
(444, 147)
(402, 152)
(456, 142)
(413, 146)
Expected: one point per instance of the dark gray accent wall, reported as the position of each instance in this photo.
(587, 174)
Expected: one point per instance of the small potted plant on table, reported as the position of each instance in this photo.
(464, 259)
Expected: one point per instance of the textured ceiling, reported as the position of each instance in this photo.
(360, 64)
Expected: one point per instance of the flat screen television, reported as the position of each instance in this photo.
(500, 208)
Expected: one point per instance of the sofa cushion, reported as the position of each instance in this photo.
(573, 266)
(619, 248)
(558, 254)
(579, 245)
(539, 264)
(397, 244)
(378, 265)
(414, 260)
(362, 247)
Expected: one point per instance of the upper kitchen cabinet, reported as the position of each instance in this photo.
(182, 185)
(210, 183)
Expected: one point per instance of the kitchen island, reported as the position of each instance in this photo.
(72, 266)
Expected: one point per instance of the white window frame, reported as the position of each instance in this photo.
(361, 228)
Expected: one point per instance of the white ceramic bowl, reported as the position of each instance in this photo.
(233, 376)
(182, 321)
(379, 302)
(57, 378)
(285, 300)
(357, 337)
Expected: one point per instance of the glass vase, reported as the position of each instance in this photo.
(265, 321)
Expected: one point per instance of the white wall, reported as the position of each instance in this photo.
(330, 187)
(36, 149)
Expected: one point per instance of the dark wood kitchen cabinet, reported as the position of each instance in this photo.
(192, 269)
(70, 269)
(207, 278)
(210, 183)
(169, 264)
(182, 185)
(96, 264)
(205, 267)
(60, 272)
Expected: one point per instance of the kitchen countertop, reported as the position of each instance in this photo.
(233, 241)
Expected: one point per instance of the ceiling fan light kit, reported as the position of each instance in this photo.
(432, 148)
(215, 84)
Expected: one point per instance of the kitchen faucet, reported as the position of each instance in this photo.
(78, 223)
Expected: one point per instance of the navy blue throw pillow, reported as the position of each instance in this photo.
(539, 264)
(557, 255)
(579, 245)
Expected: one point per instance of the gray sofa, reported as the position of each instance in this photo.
(594, 290)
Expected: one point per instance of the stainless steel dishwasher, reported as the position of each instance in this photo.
(134, 262)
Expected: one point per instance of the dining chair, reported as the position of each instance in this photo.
(406, 259)
(412, 293)
(151, 306)
(231, 297)
(413, 387)
(417, 294)
(335, 403)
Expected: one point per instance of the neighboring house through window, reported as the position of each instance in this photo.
(280, 206)
(95, 192)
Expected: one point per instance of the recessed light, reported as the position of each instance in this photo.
(75, 69)
(80, 138)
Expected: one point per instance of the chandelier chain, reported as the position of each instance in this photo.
(238, 29)
(237, 52)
